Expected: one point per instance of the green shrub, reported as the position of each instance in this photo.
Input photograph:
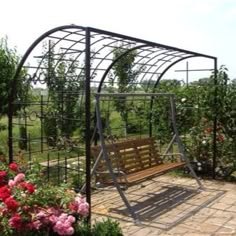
(106, 228)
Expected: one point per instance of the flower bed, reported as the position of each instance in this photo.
(29, 207)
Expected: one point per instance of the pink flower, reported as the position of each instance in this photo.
(71, 219)
(13, 166)
(63, 217)
(63, 229)
(83, 209)
(41, 214)
(42, 217)
(69, 231)
(53, 219)
(11, 183)
(79, 206)
(63, 225)
(19, 177)
(36, 224)
(15, 222)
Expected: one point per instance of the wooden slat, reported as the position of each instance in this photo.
(163, 168)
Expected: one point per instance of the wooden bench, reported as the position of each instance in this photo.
(133, 161)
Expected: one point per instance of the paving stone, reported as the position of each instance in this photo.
(226, 214)
(227, 200)
(220, 206)
(179, 230)
(198, 234)
(209, 228)
(143, 231)
(231, 223)
(224, 234)
(225, 230)
(191, 226)
(207, 212)
(217, 220)
(232, 208)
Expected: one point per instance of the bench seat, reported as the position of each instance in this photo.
(134, 160)
(150, 172)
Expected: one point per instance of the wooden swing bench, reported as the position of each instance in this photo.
(133, 161)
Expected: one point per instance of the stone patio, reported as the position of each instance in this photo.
(169, 205)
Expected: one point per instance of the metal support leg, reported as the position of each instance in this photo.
(179, 142)
(170, 144)
(109, 165)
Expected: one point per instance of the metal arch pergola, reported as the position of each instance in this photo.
(94, 49)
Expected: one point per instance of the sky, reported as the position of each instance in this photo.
(204, 26)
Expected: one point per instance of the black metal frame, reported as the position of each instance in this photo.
(94, 47)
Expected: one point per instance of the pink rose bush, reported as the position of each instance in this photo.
(31, 208)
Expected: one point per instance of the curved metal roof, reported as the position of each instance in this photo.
(70, 42)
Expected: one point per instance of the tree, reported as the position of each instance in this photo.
(8, 62)
(126, 77)
(63, 85)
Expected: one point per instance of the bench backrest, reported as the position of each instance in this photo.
(131, 155)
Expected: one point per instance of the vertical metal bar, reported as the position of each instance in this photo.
(49, 71)
(65, 179)
(87, 119)
(10, 144)
(58, 168)
(41, 120)
(214, 146)
(26, 125)
(30, 158)
(150, 117)
(79, 175)
(187, 73)
(48, 167)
